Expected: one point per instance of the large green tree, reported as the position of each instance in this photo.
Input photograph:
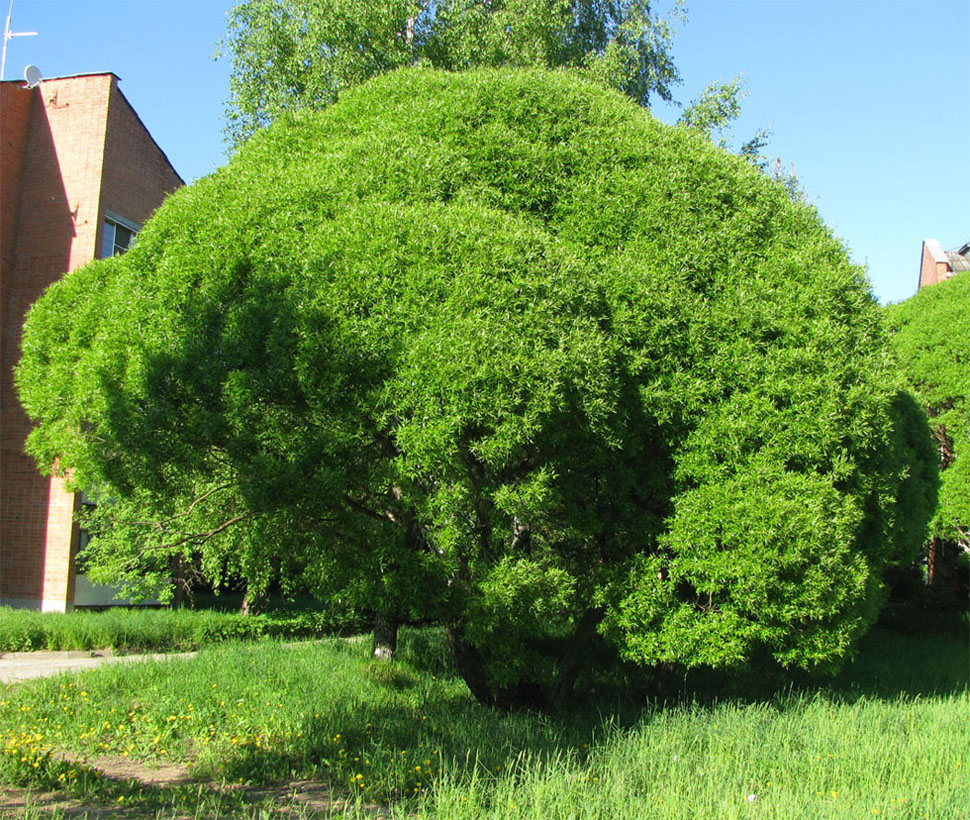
(501, 350)
(292, 54)
(934, 355)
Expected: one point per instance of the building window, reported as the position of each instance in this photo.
(84, 536)
(118, 234)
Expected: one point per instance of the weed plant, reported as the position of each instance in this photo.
(889, 737)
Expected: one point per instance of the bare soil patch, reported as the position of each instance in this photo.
(14, 803)
(302, 799)
(159, 775)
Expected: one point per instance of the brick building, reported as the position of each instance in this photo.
(79, 174)
(937, 265)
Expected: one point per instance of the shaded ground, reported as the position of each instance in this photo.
(296, 800)
(168, 782)
(303, 799)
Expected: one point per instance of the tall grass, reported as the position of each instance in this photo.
(161, 630)
(890, 737)
(801, 757)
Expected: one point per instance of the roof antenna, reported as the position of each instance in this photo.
(7, 34)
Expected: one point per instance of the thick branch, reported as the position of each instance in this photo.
(198, 536)
(383, 515)
(161, 522)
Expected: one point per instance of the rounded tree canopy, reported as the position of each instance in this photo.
(934, 354)
(601, 365)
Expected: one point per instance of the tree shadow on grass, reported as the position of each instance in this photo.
(388, 744)
(393, 752)
(886, 665)
(381, 744)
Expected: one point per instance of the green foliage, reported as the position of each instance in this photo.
(290, 55)
(717, 106)
(496, 348)
(151, 630)
(935, 359)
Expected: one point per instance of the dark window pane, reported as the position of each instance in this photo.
(123, 238)
(108, 241)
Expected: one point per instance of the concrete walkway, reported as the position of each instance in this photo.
(18, 666)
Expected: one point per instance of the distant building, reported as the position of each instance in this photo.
(937, 265)
(79, 174)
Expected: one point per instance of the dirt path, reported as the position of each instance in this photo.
(299, 799)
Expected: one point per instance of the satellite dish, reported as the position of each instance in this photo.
(33, 76)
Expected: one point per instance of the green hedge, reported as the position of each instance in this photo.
(137, 630)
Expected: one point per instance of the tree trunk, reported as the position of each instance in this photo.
(574, 658)
(942, 571)
(178, 578)
(934, 548)
(385, 635)
(251, 604)
(469, 664)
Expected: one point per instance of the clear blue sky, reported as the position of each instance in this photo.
(869, 99)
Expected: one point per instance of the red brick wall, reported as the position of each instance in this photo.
(136, 174)
(68, 177)
(14, 116)
(931, 271)
(14, 113)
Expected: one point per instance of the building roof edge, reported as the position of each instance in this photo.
(71, 76)
(936, 250)
(141, 122)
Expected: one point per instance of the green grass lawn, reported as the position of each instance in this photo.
(889, 737)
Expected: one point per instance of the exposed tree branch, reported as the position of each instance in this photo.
(198, 536)
(160, 523)
(382, 516)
